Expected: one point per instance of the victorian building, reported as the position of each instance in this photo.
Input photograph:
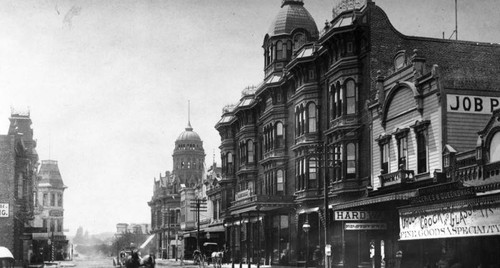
(52, 244)
(18, 184)
(378, 147)
(172, 217)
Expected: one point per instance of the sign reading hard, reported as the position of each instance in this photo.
(461, 221)
(472, 104)
(4, 210)
(358, 215)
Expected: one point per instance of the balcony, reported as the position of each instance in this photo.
(492, 170)
(279, 152)
(399, 177)
(245, 197)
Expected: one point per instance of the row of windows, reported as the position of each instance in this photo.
(306, 119)
(283, 50)
(189, 164)
(421, 139)
(339, 104)
(188, 146)
(56, 199)
(273, 136)
(247, 152)
(274, 182)
(56, 225)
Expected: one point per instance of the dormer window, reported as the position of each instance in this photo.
(399, 60)
(279, 50)
(298, 41)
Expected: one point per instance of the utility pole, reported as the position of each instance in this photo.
(200, 205)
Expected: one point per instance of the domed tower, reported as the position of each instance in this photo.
(291, 29)
(189, 158)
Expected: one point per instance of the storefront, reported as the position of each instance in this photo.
(452, 228)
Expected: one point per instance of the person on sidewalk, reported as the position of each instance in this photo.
(317, 257)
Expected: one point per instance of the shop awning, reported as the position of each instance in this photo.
(405, 195)
(147, 241)
(244, 210)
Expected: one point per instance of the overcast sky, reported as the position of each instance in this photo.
(108, 82)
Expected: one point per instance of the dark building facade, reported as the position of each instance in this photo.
(18, 180)
(172, 219)
(351, 138)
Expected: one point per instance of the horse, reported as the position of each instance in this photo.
(149, 261)
(217, 258)
(135, 261)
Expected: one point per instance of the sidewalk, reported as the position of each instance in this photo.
(173, 262)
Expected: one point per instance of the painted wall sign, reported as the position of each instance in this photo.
(464, 221)
(358, 215)
(4, 210)
(472, 104)
(55, 213)
(242, 195)
(363, 226)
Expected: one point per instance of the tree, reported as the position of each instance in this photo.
(78, 239)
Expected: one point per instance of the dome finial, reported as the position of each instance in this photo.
(189, 127)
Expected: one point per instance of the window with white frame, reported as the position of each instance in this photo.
(351, 160)
(312, 117)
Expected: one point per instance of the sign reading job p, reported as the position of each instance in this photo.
(4, 210)
(472, 104)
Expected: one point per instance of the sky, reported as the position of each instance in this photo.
(107, 83)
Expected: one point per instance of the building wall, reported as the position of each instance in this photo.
(7, 169)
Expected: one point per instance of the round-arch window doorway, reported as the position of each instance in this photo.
(495, 148)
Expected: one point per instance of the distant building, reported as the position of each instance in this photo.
(18, 178)
(135, 228)
(172, 218)
(50, 213)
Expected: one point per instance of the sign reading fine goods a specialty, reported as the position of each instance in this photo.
(464, 221)
(4, 210)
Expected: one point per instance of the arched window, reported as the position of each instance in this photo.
(495, 148)
(298, 40)
(313, 172)
(279, 135)
(279, 50)
(311, 117)
(351, 160)
(350, 97)
(279, 182)
(251, 151)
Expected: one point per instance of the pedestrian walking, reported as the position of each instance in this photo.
(317, 257)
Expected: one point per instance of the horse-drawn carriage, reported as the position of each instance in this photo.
(210, 253)
(131, 258)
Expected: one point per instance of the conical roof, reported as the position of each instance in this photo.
(50, 175)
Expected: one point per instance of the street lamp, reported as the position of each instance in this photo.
(306, 228)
